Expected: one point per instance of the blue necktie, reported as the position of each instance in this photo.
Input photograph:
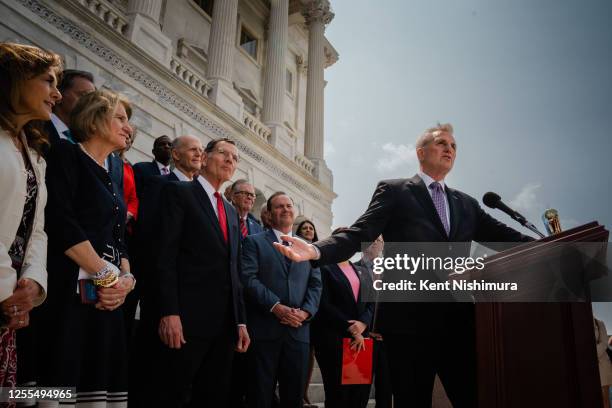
(287, 260)
(68, 135)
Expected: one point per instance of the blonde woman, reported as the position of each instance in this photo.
(89, 272)
(28, 91)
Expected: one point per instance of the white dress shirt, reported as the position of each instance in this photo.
(59, 125)
(210, 192)
(181, 176)
(278, 234)
(161, 166)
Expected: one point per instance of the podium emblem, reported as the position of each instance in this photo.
(551, 221)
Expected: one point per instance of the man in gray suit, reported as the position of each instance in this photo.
(281, 297)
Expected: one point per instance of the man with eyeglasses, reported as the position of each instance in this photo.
(201, 309)
(243, 198)
(242, 195)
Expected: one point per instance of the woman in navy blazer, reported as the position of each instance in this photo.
(341, 314)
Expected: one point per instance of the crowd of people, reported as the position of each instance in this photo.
(233, 310)
(86, 237)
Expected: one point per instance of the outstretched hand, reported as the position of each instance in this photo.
(298, 249)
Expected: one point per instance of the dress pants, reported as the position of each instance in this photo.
(196, 375)
(337, 395)
(415, 359)
(239, 381)
(383, 393)
(284, 360)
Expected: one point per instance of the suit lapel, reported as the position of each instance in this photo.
(204, 201)
(155, 168)
(232, 222)
(271, 237)
(419, 190)
(454, 205)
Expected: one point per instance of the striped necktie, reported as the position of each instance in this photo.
(437, 195)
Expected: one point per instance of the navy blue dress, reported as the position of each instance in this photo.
(83, 347)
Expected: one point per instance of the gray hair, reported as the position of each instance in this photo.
(238, 183)
(429, 135)
(179, 140)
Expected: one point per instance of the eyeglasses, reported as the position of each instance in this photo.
(246, 193)
(235, 158)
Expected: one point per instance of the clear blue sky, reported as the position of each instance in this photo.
(527, 85)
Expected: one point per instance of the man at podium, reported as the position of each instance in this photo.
(417, 335)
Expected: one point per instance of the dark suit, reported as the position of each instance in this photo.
(142, 172)
(330, 326)
(253, 226)
(383, 393)
(240, 376)
(143, 261)
(423, 339)
(115, 164)
(197, 277)
(278, 351)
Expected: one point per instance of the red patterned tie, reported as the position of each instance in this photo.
(243, 228)
(222, 217)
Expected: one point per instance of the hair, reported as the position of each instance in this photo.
(238, 183)
(299, 227)
(273, 196)
(156, 141)
(18, 64)
(95, 110)
(213, 143)
(68, 77)
(432, 132)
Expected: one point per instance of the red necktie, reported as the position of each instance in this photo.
(222, 218)
(243, 228)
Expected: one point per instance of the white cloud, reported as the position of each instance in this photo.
(526, 199)
(328, 148)
(396, 156)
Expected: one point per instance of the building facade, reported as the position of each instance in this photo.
(250, 70)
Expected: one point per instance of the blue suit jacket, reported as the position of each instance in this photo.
(252, 225)
(267, 280)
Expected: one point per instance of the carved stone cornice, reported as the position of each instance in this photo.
(168, 97)
(317, 10)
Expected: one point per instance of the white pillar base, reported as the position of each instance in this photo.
(147, 35)
(323, 173)
(225, 96)
(281, 140)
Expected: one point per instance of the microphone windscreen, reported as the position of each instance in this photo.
(491, 199)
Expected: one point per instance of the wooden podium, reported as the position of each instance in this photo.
(537, 354)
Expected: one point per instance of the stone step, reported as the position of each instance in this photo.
(316, 394)
(316, 376)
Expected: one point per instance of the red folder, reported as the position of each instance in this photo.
(357, 366)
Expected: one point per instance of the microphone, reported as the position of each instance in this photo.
(493, 200)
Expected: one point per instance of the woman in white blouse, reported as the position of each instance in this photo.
(28, 92)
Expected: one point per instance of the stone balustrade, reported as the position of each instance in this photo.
(304, 163)
(190, 77)
(108, 13)
(256, 126)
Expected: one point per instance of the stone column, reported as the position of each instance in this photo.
(274, 80)
(317, 14)
(144, 30)
(221, 47)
